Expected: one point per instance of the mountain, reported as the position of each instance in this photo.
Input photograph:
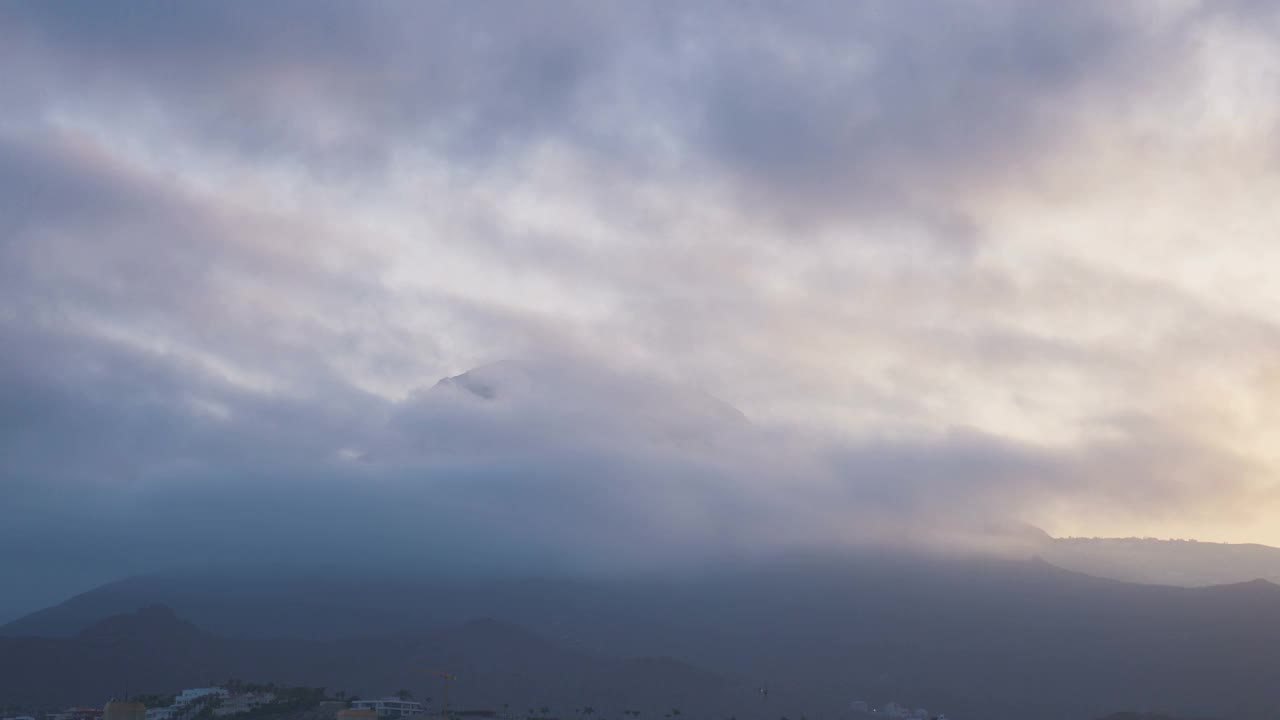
(151, 647)
(1165, 562)
(154, 651)
(518, 380)
(971, 637)
(1141, 716)
(1150, 561)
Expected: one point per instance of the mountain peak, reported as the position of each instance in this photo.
(470, 382)
(156, 621)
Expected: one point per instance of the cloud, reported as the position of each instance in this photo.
(553, 463)
(331, 86)
(955, 264)
(811, 109)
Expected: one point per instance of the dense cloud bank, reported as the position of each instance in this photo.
(957, 264)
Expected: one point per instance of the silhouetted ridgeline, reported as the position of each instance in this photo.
(974, 638)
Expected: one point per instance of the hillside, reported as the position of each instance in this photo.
(1165, 562)
(154, 651)
(976, 638)
(149, 648)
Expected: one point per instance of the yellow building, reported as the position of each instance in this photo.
(124, 711)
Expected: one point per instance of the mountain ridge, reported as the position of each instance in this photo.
(977, 637)
(140, 650)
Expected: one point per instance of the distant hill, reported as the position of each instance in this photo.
(1165, 562)
(151, 647)
(973, 638)
(339, 606)
(154, 651)
(1150, 561)
(1143, 716)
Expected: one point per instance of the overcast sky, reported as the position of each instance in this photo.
(950, 262)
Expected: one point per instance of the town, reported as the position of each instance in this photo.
(247, 701)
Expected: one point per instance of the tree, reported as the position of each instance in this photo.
(154, 700)
(404, 694)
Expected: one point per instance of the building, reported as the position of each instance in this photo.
(894, 710)
(116, 710)
(361, 714)
(77, 713)
(162, 713)
(192, 694)
(236, 704)
(329, 709)
(389, 707)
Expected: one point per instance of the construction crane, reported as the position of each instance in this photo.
(445, 678)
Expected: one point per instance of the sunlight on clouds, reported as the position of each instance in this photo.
(1033, 248)
(1159, 221)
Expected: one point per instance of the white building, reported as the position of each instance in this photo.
(236, 704)
(389, 707)
(191, 695)
(161, 713)
(894, 710)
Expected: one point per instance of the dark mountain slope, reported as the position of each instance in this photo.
(1158, 562)
(495, 662)
(972, 637)
(151, 648)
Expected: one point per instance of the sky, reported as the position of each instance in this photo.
(724, 279)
